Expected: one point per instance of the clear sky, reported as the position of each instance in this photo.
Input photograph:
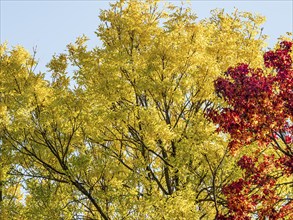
(51, 25)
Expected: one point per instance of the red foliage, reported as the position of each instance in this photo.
(260, 109)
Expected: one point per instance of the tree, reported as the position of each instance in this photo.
(126, 136)
(260, 111)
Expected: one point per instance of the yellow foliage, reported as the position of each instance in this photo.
(130, 140)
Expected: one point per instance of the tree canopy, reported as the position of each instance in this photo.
(139, 130)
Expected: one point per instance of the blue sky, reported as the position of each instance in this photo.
(51, 25)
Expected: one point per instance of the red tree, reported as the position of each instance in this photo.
(260, 109)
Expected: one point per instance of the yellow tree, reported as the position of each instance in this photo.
(125, 136)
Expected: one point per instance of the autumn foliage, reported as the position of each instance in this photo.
(259, 110)
(126, 130)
